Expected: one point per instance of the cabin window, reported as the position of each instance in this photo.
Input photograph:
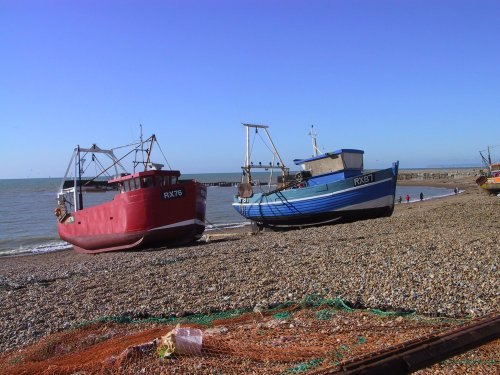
(133, 185)
(147, 182)
(353, 160)
(159, 181)
(121, 187)
(331, 163)
(137, 182)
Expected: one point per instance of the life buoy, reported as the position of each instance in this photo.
(57, 212)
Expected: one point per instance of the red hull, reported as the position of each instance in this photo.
(144, 217)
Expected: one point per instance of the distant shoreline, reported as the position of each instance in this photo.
(433, 169)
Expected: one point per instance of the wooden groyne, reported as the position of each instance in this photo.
(220, 184)
(229, 183)
(437, 174)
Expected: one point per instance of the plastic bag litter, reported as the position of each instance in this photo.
(180, 341)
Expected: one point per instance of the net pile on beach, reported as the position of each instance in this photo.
(292, 338)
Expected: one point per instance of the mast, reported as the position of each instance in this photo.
(75, 201)
(247, 159)
(80, 196)
(248, 165)
(486, 160)
(152, 139)
(313, 135)
(142, 149)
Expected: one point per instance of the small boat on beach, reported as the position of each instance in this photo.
(330, 186)
(490, 178)
(151, 207)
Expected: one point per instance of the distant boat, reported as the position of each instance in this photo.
(331, 186)
(152, 207)
(490, 180)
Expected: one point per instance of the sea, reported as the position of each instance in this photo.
(28, 225)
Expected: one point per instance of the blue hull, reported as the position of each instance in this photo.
(365, 196)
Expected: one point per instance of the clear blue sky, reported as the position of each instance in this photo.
(417, 81)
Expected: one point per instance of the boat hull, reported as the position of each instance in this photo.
(490, 184)
(138, 219)
(367, 196)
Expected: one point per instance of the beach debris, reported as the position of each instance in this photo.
(130, 351)
(180, 341)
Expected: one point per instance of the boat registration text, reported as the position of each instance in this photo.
(172, 194)
(365, 179)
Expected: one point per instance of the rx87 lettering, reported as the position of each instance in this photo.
(365, 179)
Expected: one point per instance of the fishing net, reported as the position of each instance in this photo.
(292, 338)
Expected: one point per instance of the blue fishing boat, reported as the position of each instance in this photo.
(331, 186)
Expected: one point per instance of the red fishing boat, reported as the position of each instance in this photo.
(150, 208)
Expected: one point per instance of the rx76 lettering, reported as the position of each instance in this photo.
(172, 194)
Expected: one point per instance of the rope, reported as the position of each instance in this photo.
(251, 148)
(282, 311)
(166, 161)
(117, 162)
(98, 163)
(265, 144)
(130, 144)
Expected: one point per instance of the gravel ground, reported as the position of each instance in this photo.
(438, 257)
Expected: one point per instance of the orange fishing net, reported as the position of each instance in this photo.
(287, 341)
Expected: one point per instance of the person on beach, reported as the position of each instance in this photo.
(407, 198)
(400, 199)
(421, 196)
(456, 190)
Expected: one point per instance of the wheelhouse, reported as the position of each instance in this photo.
(145, 180)
(495, 170)
(337, 165)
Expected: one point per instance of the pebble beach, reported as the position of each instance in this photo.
(438, 257)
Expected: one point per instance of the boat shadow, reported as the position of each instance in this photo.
(205, 240)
